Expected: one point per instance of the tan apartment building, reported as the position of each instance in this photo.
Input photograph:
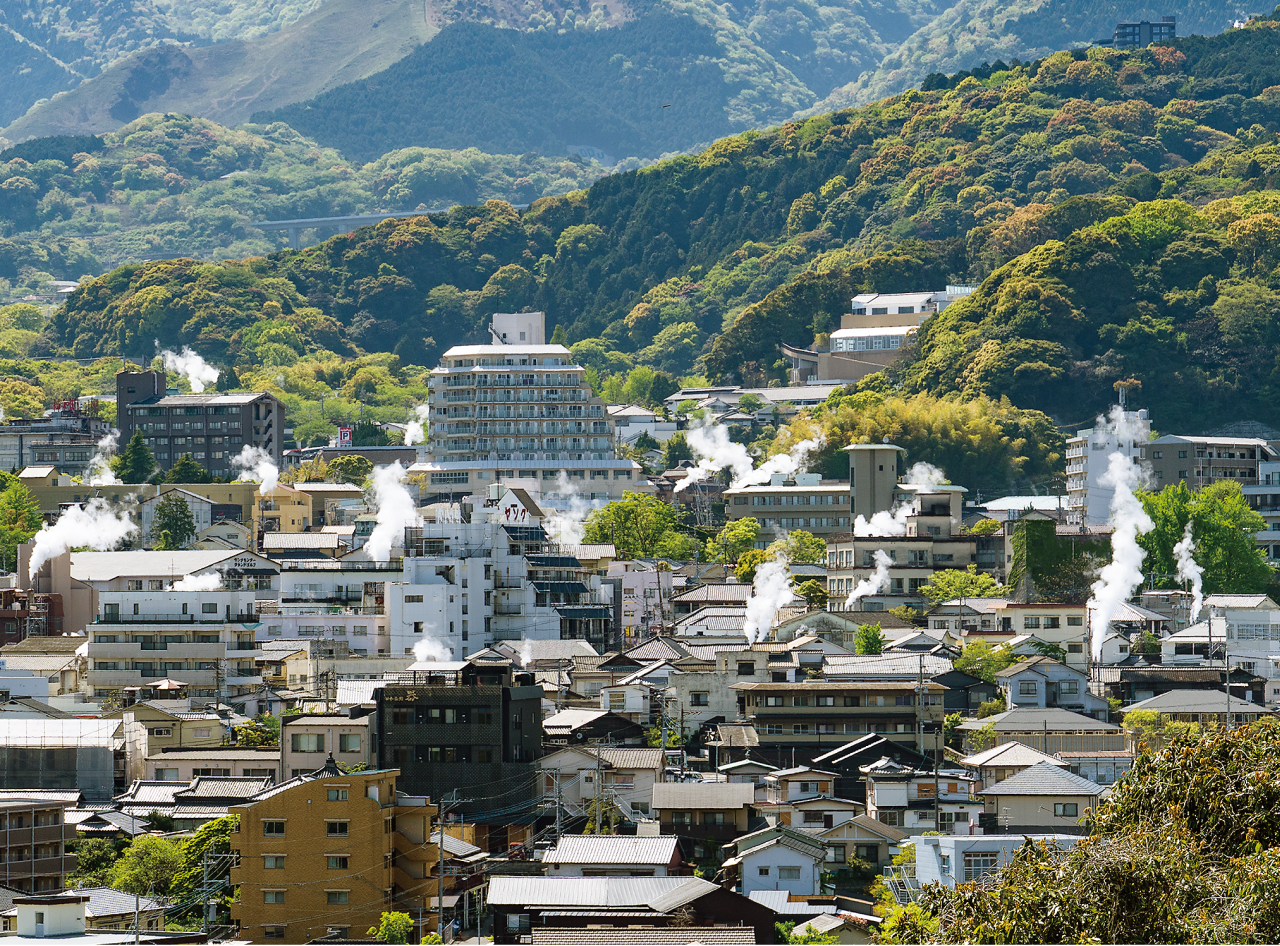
(308, 739)
(182, 765)
(33, 844)
(1199, 461)
(150, 729)
(805, 501)
(330, 851)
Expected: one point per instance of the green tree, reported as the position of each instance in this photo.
(172, 517)
(985, 527)
(735, 538)
(396, 927)
(212, 837)
(637, 524)
(981, 659)
(678, 545)
(1049, 649)
(1223, 527)
(750, 403)
(250, 737)
(95, 858)
(20, 519)
(799, 548)
(814, 594)
(869, 640)
(149, 865)
(952, 583)
(748, 562)
(350, 468)
(676, 449)
(134, 464)
(187, 470)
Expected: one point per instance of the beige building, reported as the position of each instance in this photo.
(331, 851)
(806, 502)
(150, 729)
(306, 740)
(1042, 796)
(182, 765)
(1200, 461)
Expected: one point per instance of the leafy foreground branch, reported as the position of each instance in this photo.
(1186, 850)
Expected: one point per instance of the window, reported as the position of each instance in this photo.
(273, 932)
(682, 817)
(336, 794)
(413, 599)
(835, 854)
(978, 864)
(273, 829)
(713, 817)
(273, 862)
(336, 897)
(1031, 622)
(788, 873)
(1066, 810)
(699, 699)
(773, 701)
(764, 872)
(307, 742)
(336, 829)
(746, 669)
(160, 732)
(1074, 620)
(337, 861)
(166, 775)
(273, 896)
(1079, 649)
(1026, 688)
(349, 742)
(1052, 622)
(135, 584)
(944, 862)
(1069, 687)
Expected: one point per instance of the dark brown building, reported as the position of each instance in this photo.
(213, 428)
(33, 844)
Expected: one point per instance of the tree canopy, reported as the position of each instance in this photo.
(187, 470)
(135, 463)
(172, 518)
(951, 583)
(638, 525)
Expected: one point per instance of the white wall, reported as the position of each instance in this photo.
(775, 857)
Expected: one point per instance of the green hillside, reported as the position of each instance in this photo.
(1121, 228)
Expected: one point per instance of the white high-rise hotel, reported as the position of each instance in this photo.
(519, 411)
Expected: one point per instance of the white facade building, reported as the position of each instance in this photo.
(1088, 453)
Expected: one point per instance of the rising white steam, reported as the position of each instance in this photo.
(874, 583)
(100, 466)
(416, 431)
(884, 523)
(924, 474)
(1119, 577)
(568, 525)
(432, 650)
(197, 371)
(396, 511)
(770, 591)
(1190, 570)
(526, 654)
(789, 464)
(209, 581)
(258, 468)
(93, 525)
(715, 452)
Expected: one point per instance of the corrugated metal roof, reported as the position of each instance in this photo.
(779, 902)
(670, 795)
(737, 591)
(615, 892)
(103, 566)
(44, 733)
(1033, 719)
(930, 665)
(656, 936)
(569, 719)
(628, 758)
(1198, 701)
(613, 849)
(300, 540)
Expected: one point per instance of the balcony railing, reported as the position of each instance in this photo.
(111, 617)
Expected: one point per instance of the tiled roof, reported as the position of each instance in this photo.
(1009, 754)
(627, 758)
(874, 665)
(651, 936)
(44, 645)
(668, 795)
(205, 786)
(106, 901)
(736, 591)
(737, 735)
(1044, 778)
(658, 893)
(142, 792)
(1032, 719)
(1197, 701)
(612, 849)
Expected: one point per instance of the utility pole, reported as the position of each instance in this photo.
(451, 799)
(920, 703)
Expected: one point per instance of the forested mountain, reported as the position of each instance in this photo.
(1118, 209)
(168, 185)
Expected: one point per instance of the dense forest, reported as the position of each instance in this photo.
(170, 185)
(1100, 206)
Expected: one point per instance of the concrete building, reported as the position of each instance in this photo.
(1088, 500)
(916, 799)
(213, 428)
(1041, 796)
(519, 409)
(330, 851)
(183, 765)
(1142, 34)
(306, 740)
(952, 859)
(775, 858)
(201, 513)
(825, 506)
(625, 775)
(1200, 461)
(69, 428)
(1044, 682)
(34, 834)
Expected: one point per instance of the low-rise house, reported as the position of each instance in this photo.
(1042, 682)
(182, 765)
(621, 907)
(189, 804)
(846, 926)
(920, 799)
(572, 727)
(999, 762)
(1049, 730)
(775, 858)
(1042, 796)
(849, 759)
(149, 728)
(790, 785)
(863, 837)
(605, 855)
(111, 909)
(703, 814)
(953, 859)
(746, 770)
(627, 776)
(817, 813)
(1201, 706)
(306, 740)
(1132, 684)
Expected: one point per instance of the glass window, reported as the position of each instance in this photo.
(336, 897)
(273, 829)
(337, 794)
(273, 862)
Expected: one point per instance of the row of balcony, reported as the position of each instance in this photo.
(111, 615)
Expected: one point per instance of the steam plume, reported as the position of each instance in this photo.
(416, 431)
(568, 525)
(396, 511)
(526, 654)
(432, 650)
(100, 466)
(1119, 577)
(874, 583)
(209, 581)
(894, 521)
(258, 468)
(924, 474)
(715, 452)
(197, 371)
(788, 464)
(1190, 570)
(93, 525)
(770, 591)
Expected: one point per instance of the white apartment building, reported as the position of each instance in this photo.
(1088, 453)
(519, 411)
(194, 643)
(646, 599)
(1250, 627)
(1264, 499)
(340, 600)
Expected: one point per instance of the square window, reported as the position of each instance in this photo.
(336, 829)
(336, 794)
(788, 873)
(273, 862)
(336, 897)
(337, 861)
(273, 896)
(273, 829)
(764, 872)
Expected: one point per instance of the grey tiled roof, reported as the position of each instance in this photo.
(1044, 779)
